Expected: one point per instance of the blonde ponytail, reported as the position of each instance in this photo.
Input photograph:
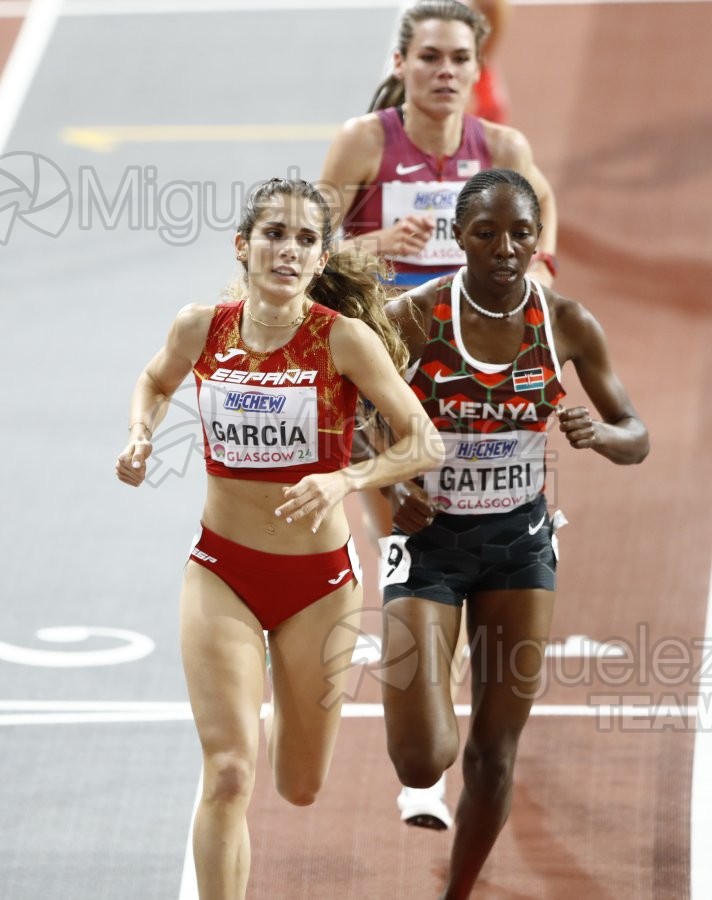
(353, 284)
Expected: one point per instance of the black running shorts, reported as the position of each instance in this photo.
(457, 556)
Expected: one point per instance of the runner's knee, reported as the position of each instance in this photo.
(488, 769)
(229, 778)
(300, 790)
(421, 765)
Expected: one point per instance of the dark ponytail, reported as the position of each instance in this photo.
(390, 92)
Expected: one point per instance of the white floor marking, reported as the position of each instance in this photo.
(581, 646)
(133, 646)
(24, 60)
(701, 801)
(188, 883)
(57, 712)
(12, 9)
(89, 706)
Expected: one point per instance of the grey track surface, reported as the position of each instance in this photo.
(101, 811)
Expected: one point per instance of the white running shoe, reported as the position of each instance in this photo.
(425, 807)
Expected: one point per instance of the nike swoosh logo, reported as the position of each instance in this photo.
(406, 170)
(534, 528)
(339, 577)
(224, 357)
(441, 379)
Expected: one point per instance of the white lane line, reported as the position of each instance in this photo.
(188, 882)
(12, 9)
(24, 61)
(92, 718)
(38, 712)
(701, 801)
(93, 706)
(16, 8)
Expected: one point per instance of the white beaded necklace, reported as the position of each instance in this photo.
(496, 315)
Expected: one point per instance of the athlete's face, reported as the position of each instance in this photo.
(440, 66)
(499, 233)
(285, 248)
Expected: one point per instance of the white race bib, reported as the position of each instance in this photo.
(436, 199)
(260, 427)
(485, 473)
(394, 566)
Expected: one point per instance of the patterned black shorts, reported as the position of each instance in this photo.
(457, 556)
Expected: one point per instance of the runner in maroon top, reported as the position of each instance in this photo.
(410, 181)
(392, 179)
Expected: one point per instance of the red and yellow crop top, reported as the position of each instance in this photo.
(274, 416)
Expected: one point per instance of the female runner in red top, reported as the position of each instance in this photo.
(278, 375)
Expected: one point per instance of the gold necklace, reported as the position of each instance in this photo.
(298, 321)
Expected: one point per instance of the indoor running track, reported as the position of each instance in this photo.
(99, 758)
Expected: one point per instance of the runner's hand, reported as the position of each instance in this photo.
(313, 496)
(578, 426)
(411, 506)
(131, 463)
(407, 237)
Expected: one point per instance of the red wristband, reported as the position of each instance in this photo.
(549, 261)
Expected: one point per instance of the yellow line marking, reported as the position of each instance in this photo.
(105, 139)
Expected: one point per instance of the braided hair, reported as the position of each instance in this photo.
(489, 178)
